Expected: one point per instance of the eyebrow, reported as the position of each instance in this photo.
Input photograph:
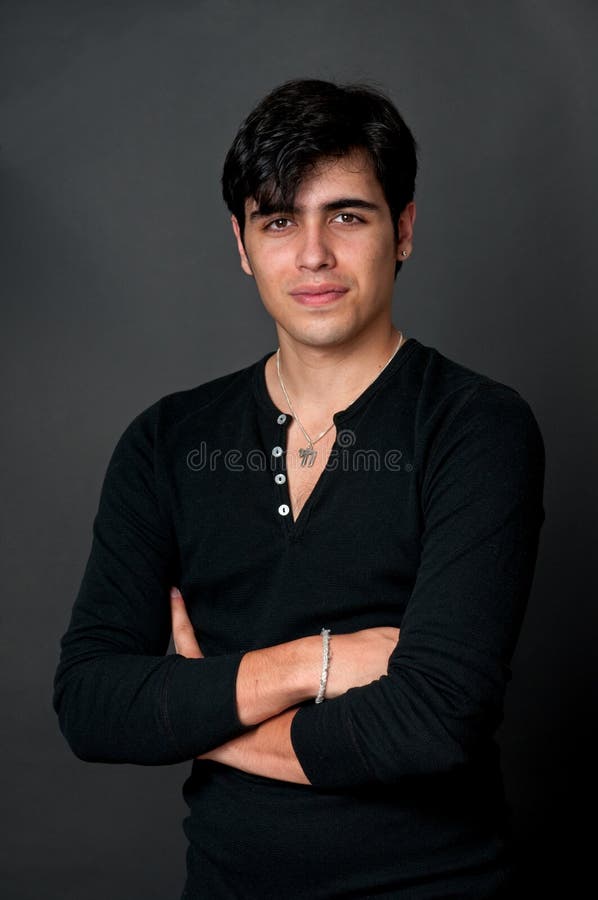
(334, 205)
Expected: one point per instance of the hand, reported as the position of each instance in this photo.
(359, 658)
(183, 633)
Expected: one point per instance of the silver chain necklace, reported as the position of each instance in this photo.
(308, 454)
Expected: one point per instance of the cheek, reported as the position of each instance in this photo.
(376, 249)
(376, 260)
(268, 282)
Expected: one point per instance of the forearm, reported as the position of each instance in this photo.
(265, 750)
(273, 679)
(284, 675)
(142, 709)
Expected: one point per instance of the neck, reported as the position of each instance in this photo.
(323, 380)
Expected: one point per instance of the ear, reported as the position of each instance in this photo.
(242, 254)
(406, 223)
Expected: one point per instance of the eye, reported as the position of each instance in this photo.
(276, 222)
(351, 216)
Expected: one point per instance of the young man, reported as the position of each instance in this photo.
(353, 519)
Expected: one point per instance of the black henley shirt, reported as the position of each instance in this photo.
(427, 518)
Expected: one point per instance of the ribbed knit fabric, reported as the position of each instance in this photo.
(426, 518)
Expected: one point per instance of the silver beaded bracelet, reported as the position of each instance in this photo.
(325, 632)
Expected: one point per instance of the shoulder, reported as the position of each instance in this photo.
(221, 397)
(467, 424)
(450, 394)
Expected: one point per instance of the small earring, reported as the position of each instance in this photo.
(403, 253)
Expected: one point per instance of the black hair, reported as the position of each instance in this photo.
(304, 121)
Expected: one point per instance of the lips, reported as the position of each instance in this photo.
(318, 294)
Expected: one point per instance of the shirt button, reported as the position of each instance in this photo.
(281, 419)
(277, 451)
(283, 509)
(280, 478)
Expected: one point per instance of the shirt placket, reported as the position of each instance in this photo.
(282, 503)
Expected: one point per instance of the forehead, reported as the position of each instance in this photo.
(349, 176)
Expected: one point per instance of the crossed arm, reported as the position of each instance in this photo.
(272, 682)
(119, 698)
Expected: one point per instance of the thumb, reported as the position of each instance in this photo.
(183, 633)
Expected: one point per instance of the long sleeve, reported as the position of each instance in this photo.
(482, 511)
(118, 697)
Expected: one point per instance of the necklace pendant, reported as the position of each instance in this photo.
(308, 455)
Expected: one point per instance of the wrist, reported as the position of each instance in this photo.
(274, 678)
(307, 666)
(325, 635)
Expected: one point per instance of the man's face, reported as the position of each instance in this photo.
(338, 239)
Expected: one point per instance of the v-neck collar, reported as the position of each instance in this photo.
(265, 400)
(279, 420)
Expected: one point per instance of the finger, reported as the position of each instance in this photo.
(183, 633)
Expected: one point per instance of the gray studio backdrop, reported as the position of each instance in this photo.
(120, 283)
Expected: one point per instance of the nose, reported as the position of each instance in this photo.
(314, 249)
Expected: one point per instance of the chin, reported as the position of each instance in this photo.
(322, 338)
